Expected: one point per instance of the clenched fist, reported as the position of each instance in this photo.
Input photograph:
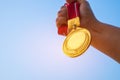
(87, 18)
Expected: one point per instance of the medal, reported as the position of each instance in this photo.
(78, 39)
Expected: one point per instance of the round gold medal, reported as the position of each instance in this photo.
(76, 42)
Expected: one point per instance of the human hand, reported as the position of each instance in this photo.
(87, 18)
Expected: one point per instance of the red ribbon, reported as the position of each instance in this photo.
(73, 12)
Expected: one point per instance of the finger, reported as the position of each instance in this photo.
(85, 9)
(62, 12)
(80, 1)
(62, 7)
(61, 21)
(86, 14)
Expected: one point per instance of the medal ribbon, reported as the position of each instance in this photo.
(73, 13)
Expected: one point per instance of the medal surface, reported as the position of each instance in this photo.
(76, 42)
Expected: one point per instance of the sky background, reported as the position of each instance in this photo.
(31, 49)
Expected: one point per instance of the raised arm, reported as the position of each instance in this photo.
(105, 37)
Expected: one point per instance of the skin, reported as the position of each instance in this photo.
(105, 37)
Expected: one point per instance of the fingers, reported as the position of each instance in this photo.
(61, 17)
(61, 21)
(62, 12)
(86, 14)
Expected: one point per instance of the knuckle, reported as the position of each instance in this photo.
(62, 7)
(62, 14)
(60, 21)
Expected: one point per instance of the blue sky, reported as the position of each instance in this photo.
(31, 49)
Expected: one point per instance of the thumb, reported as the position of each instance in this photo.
(80, 1)
(86, 15)
(85, 10)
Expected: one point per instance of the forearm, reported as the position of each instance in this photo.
(106, 38)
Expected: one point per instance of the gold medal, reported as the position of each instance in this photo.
(76, 42)
(78, 39)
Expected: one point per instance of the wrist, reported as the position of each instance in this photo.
(95, 30)
(95, 27)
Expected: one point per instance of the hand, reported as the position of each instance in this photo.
(105, 37)
(87, 17)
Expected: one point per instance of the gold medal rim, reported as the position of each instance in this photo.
(77, 52)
